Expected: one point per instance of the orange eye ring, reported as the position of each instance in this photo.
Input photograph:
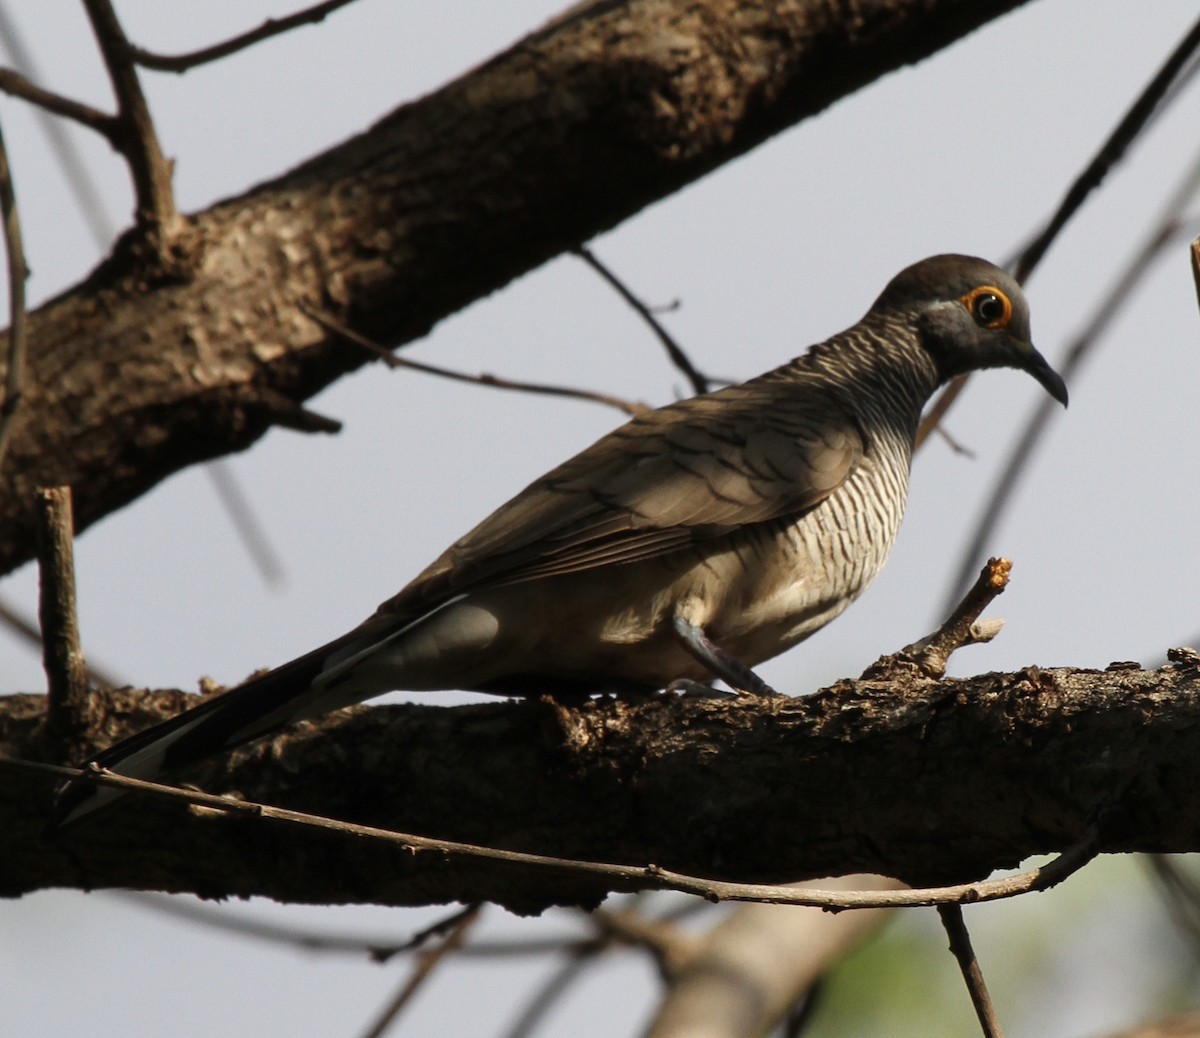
(990, 307)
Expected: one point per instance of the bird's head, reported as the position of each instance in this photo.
(970, 315)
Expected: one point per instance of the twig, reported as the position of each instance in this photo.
(1110, 153)
(27, 630)
(937, 410)
(961, 627)
(18, 274)
(69, 705)
(669, 945)
(250, 531)
(16, 85)
(392, 361)
(960, 945)
(549, 993)
(1166, 230)
(271, 27)
(1182, 894)
(426, 964)
(700, 383)
(1196, 267)
(344, 944)
(954, 443)
(642, 876)
(136, 138)
(79, 178)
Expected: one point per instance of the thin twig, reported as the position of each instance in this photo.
(16, 85)
(136, 137)
(1166, 230)
(549, 993)
(18, 274)
(392, 361)
(79, 178)
(29, 632)
(345, 944)
(254, 538)
(427, 962)
(960, 945)
(699, 383)
(271, 27)
(961, 627)
(1196, 267)
(1182, 894)
(69, 704)
(1110, 153)
(937, 410)
(642, 876)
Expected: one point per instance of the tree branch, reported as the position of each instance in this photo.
(142, 370)
(16, 85)
(135, 136)
(929, 781)
(202, 56)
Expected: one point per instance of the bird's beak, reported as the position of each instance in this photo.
(1039, 368)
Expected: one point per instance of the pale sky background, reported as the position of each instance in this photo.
(966, 152)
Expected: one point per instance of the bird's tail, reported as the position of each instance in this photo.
(260, 706)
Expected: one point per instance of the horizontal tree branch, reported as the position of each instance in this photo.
(154, 363)
(929, 781)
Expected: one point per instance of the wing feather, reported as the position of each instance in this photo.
(668, 479)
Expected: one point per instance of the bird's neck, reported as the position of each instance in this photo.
(879, 363)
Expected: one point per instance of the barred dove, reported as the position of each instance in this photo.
(694, 541)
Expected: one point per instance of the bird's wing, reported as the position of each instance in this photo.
(693, 470)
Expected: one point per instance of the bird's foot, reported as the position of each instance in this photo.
(690, 689)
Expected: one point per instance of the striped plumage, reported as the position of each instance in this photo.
(750, 517)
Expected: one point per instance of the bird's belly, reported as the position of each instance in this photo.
(755, 592)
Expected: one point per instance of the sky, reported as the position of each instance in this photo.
(966, 152)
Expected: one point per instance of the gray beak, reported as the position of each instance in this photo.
(1037, 366)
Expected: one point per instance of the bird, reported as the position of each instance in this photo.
(691, 543)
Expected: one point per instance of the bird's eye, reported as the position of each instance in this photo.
(989, 306)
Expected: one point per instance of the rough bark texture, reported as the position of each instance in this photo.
(147, 367)
(897, 774)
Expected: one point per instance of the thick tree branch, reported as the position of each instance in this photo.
(148, 367)
(929, 781)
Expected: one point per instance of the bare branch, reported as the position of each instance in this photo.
(271, 27)
(136, 137)
(960, 946)
(1196, 267)
(649, 876)
(427, 962)
(937, 410)
(25, 629)
(71, 711)
(751, 968)
(16, 85)
(962, 627)
(699, 383)
(630, 407)
(18, 274)
(79, 178)
(241, 513)
(1111, 152)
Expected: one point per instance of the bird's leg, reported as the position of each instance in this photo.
(728, 668)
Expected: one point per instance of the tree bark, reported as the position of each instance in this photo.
(928, 781)
(145, 367)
